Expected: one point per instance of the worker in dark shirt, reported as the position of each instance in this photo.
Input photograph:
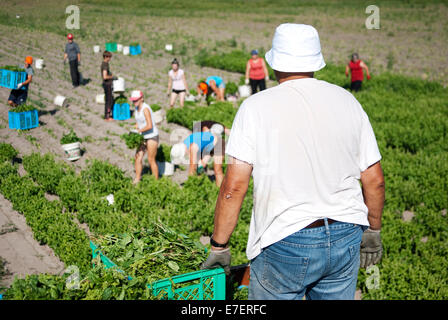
(108, 78)
(73, 54)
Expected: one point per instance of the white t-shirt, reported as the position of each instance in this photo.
(178, 82)
(141, 122)
(308, 141)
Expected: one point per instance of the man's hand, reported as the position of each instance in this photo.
(19, 85)
(371, 248)
(218, 258)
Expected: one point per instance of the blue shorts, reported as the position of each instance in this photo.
(218, 80)
(204, 140)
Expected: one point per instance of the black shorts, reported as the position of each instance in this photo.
(356, 85)
(18, 96)
(178, 91)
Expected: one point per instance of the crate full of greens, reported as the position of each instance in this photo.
(23, 117)
(11, 76)
(168, 261)
(121, 110)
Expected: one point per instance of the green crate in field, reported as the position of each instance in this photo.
(207, 284)
(111, 46)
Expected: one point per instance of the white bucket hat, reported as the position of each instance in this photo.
(295, 48)
(178, 152)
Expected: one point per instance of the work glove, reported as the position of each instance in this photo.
(246, 81)
(19, 85)
(371, 248)
(267, 78)
(218, 258)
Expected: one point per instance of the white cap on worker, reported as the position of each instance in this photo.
(178, 152)
(217, 129)
(295, 48)
(135, 95)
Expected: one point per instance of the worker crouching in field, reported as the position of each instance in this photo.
(308, 144)
(212, 84)
(108, 78)
(200, 146)
(356, 67)
(18, 96)
(146, 126)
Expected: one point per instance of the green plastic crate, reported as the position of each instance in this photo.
(111, 46)
(209, 284)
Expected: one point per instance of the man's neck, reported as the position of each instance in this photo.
(287, 77)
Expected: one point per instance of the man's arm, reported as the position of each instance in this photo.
(231, 196)
(373, 189)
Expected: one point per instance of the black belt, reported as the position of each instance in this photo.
(319, 223)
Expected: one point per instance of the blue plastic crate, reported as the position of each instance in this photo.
(23, 120)
(121, 111)
(135, 50)
(10, 79)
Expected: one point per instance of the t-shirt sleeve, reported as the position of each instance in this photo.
(66, 49)
(369, 153)
(242, 138)
(77, 49)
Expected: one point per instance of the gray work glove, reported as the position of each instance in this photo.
(218, 258)
(371, 248)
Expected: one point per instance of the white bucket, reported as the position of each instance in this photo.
(169, 47)
(110, 199)
(60, 101)
(244, 91)
(119, 47)
(119, 85)
(158, 116)
(126, 50)
(100, 98)
(40, 63)
(72, 150)
(96, 49)
(190, 98)
(166, 168)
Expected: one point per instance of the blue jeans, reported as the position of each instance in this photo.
(320, 263)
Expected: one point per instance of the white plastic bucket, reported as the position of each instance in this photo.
(166, 168)
(96, 49)
(72, 150)
(40, 63)
(158, 116)
(244, 91)
(119, 85)
(126, 50)
(119, 47)
(169, 47)
(100, 98)
(60, 101)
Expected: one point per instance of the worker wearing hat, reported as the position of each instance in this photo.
(18, 96)
(146, 126)
(198, 148)
(256, 72)
(213, 84)
(308, 144)
(73, 54)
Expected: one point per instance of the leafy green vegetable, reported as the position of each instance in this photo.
(7, 152)
(70, 137)
(231, 88)
(23, 108)
(121, 99)
(155, 107)
(133, 140)
(13, 68)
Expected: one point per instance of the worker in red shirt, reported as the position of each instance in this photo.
(356, 67)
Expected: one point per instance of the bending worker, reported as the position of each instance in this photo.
(18, 96)
(212, 84)
(199, 147)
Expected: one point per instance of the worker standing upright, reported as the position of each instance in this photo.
(73, 54)
(108, 78)
(356, 67)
